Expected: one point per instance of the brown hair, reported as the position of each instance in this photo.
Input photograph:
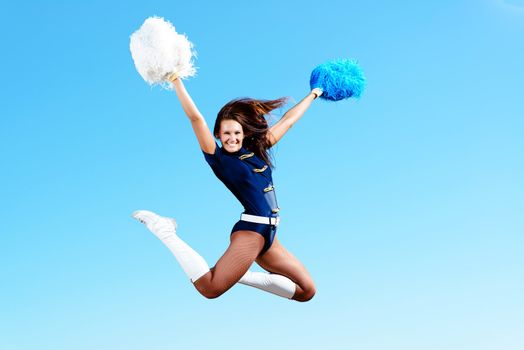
(251, 114)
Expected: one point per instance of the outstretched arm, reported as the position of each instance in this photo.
(291, 117)
(202, 132)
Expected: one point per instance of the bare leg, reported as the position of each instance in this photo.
(239, 256)
(278, 260)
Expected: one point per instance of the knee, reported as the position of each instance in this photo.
(306, 295)
(209, 292)
(309, 294)
(212, 294)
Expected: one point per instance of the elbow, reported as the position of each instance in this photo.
(288, 123)
(195, 118)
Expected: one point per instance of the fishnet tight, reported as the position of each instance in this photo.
(243, 250)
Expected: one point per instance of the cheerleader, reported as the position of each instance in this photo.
(242, 163)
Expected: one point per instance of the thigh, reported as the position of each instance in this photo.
(280, 261)
(244, 248)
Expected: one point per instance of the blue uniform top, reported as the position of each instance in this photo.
(248, 177)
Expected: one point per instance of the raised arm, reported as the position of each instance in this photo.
(202, 132)
(291, 117)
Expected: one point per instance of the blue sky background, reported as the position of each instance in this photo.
(406, 206)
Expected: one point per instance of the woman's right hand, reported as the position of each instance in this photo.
(171, 77)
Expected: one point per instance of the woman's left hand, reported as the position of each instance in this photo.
(317, 92)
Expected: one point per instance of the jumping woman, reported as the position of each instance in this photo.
(243, 164)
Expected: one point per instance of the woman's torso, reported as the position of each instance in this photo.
(248, 177)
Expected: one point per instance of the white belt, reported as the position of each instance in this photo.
(260, 219)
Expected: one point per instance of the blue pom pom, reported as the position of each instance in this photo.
(339, 79)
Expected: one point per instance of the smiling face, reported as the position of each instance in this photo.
(231, 135)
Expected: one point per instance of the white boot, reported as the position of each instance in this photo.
(165, 229)
(269, 282)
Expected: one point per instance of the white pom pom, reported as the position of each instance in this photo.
(159, 50)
